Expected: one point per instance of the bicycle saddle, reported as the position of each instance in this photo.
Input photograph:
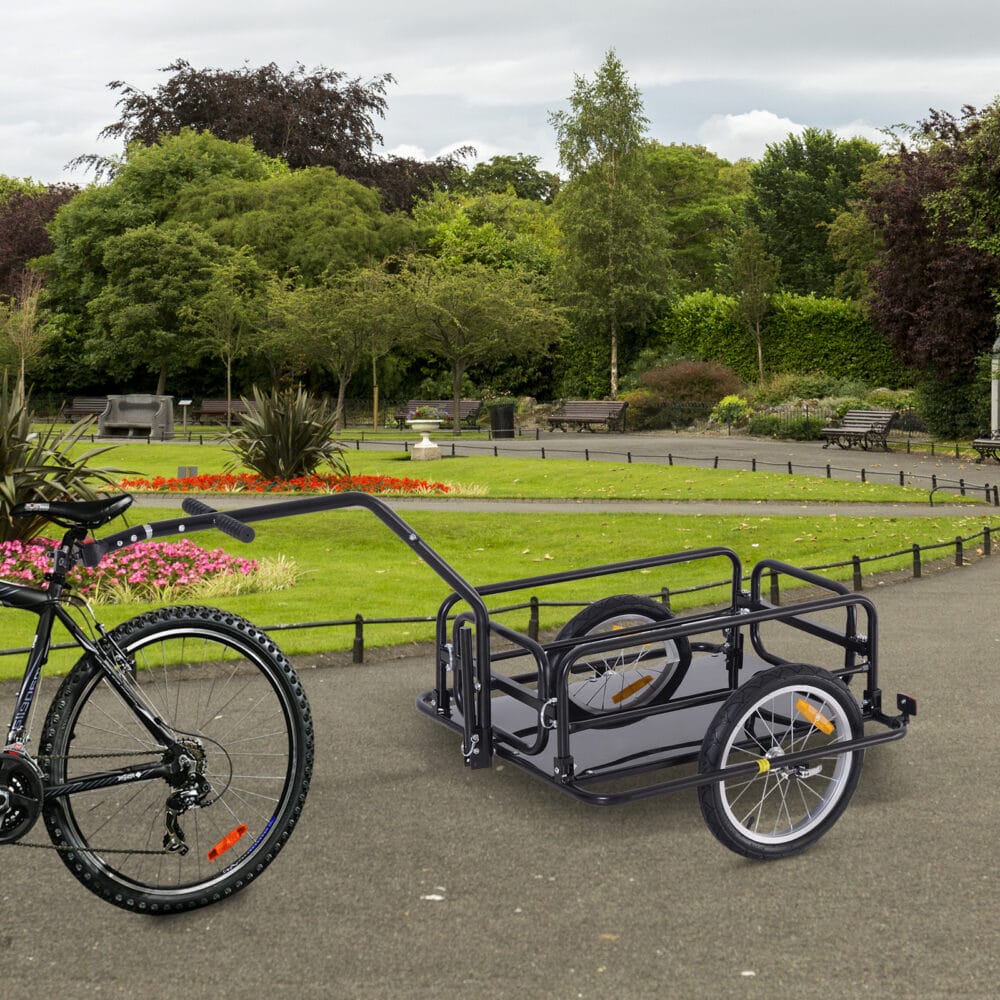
(77, 513)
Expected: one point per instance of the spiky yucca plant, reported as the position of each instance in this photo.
(41, 465)
(286, 434)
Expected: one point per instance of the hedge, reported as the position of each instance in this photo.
(801, 334)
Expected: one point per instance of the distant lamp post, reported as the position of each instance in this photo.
(995, 386)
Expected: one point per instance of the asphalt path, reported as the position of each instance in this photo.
(413, 877)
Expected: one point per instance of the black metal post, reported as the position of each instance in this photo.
(358, 653)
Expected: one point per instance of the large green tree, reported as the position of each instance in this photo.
(615, 266)
(338, 325)
(496, 229)
(310, 222)
(152, 183)
(701, 199)
(141, 316)
(798, 187)
(471, 314)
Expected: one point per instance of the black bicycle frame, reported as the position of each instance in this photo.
(48, 607)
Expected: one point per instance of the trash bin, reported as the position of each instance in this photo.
(502, 420)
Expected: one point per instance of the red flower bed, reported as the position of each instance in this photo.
(251, 483)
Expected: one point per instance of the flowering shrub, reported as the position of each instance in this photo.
(148, 571)
(247, 482)
(731, 410)
(427, 413)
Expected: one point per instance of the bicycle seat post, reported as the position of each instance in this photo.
(65, 558)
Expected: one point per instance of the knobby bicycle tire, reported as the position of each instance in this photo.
(222, 686)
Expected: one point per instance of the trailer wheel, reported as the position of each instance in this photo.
(781, 810)
(635, 675)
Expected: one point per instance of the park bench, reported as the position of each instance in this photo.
(988, 446)
(468, 410)
(866, 428)
(84, 406)
(214, 411)
(138, 415)
(584, 413)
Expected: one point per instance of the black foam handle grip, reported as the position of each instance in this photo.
(191, 505)
(240, 531)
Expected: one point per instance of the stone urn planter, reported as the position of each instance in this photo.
(425, 449)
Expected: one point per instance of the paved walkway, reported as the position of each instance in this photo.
(415, 879)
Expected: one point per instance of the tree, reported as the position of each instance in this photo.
(316, 118)
(798, 187)
(141, 316)
(932, 286)
(228, 316)
(701, 199)
(470, 314)
(148, 189)
(750, 274)
(19, 321)
(615, 266)
(336, 325)
(310, 222)
(496, 229)
(517, 173)
(854, 245)
(308, 119)
(24, 215)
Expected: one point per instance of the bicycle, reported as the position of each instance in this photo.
(174, 760)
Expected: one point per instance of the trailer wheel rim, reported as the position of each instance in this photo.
(781, 804)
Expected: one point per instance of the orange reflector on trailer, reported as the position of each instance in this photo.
(630, 689)
(815, 716)
(227, 841)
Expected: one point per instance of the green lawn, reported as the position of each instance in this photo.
(533, 478)
(348, 563)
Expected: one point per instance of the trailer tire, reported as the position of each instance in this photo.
(598, 686)
(778, 811)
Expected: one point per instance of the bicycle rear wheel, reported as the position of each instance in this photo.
(226, 692)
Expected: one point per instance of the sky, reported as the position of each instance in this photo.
(732, 76)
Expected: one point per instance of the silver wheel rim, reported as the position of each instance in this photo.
(625, 677)
(782, 804)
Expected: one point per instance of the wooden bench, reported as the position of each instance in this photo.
(84, 406)
(584, 413)
(988, 446)
(212, 411)
(867, 428)
(468, 410)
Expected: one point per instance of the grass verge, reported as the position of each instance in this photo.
(349, 564)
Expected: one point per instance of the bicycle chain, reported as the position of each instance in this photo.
(88, 850)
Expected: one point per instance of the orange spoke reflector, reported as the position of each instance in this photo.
(629, 690)
(815, 716)
(227, 841)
